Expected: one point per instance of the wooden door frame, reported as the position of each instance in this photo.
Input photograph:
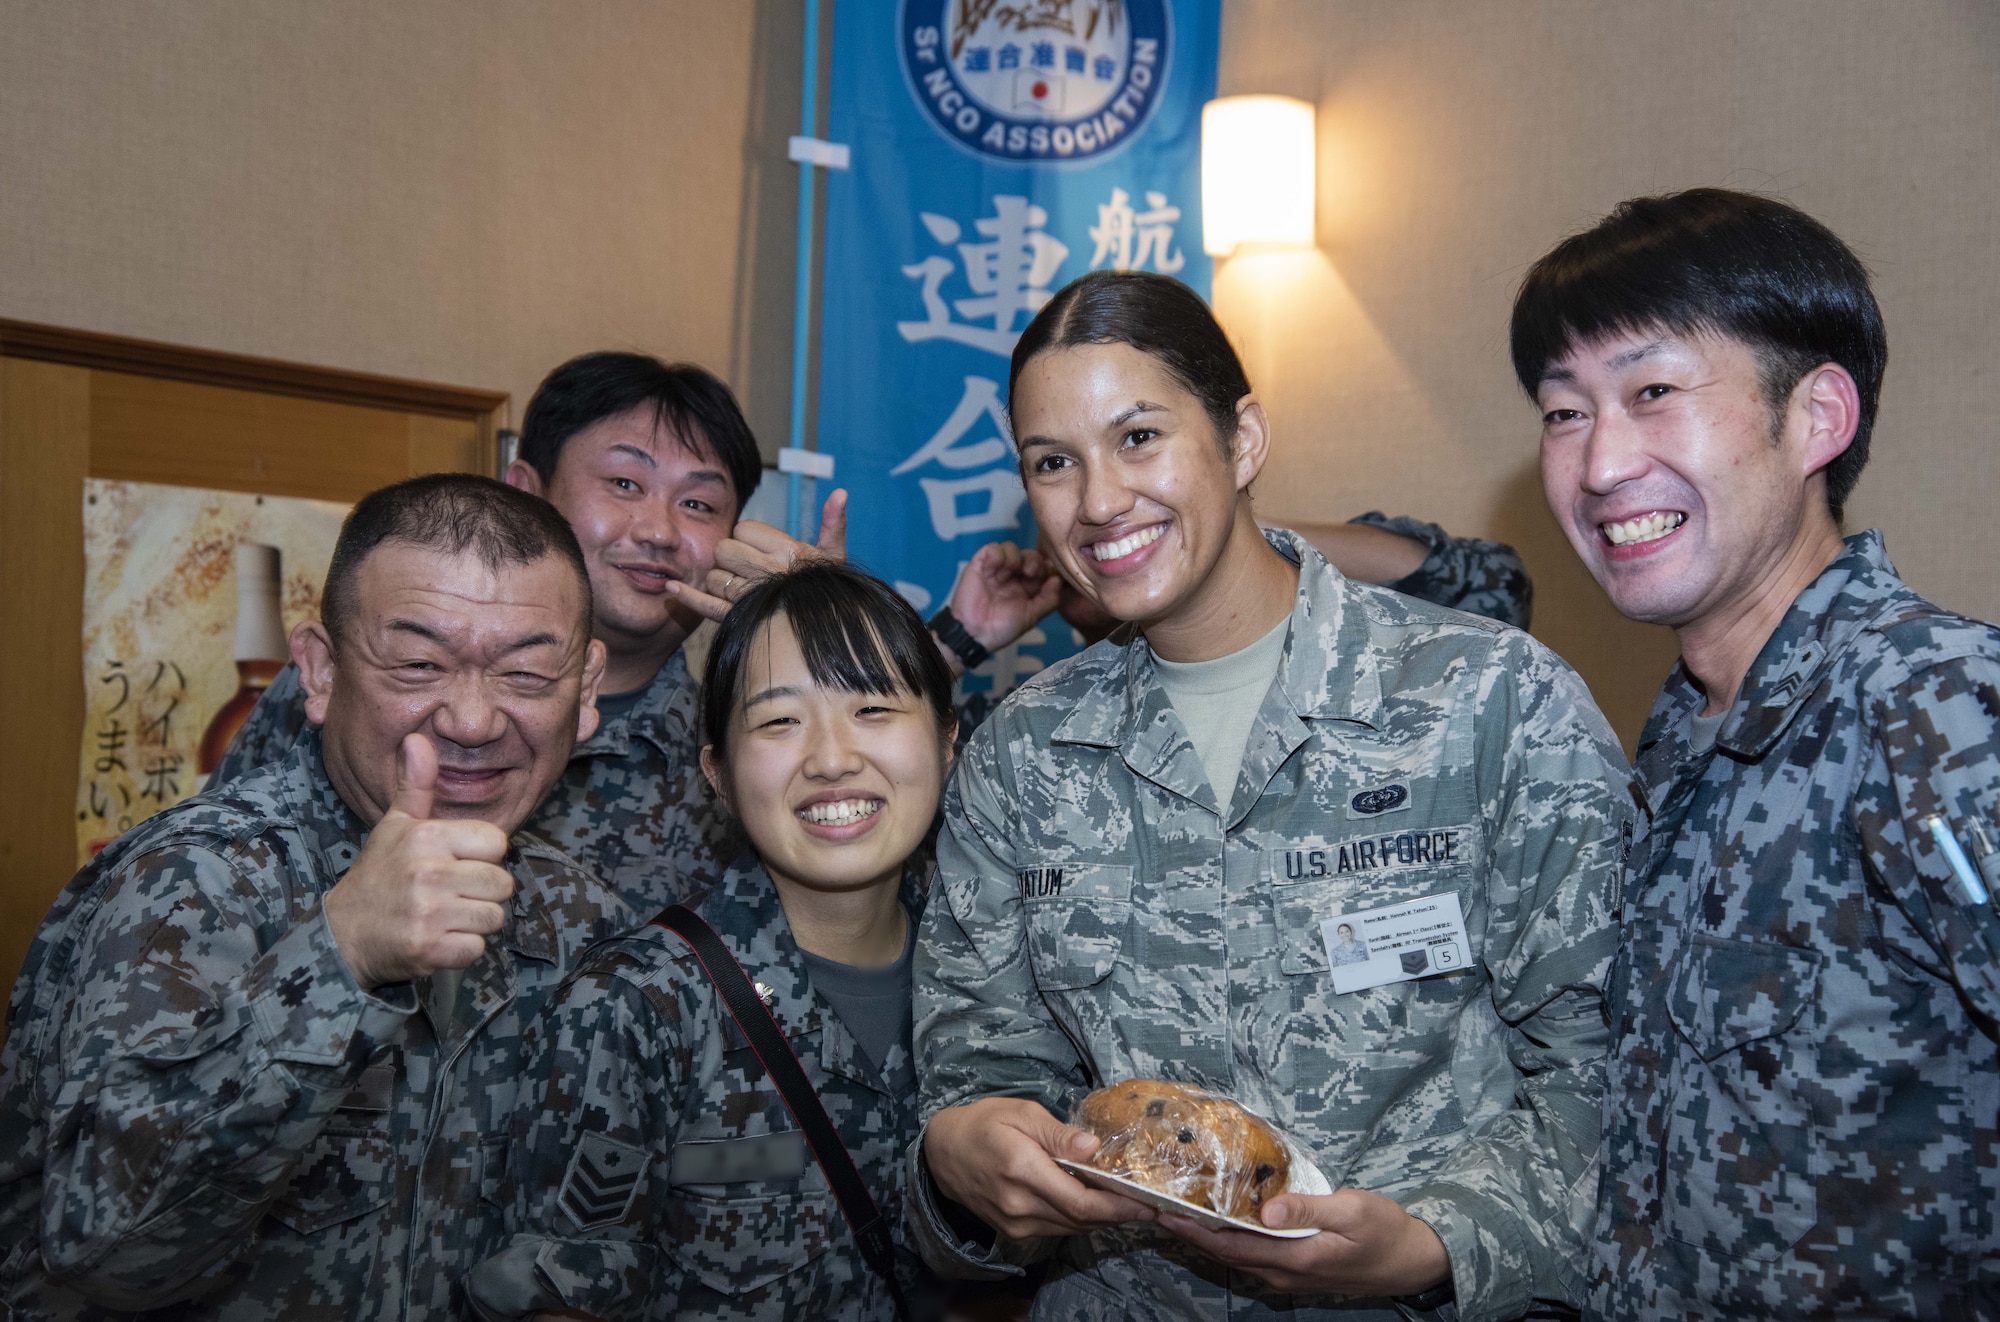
(487, 409)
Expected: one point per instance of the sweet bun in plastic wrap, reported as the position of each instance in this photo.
(1187, 1144)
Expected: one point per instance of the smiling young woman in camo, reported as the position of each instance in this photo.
(1140, 847)
(662, 1173)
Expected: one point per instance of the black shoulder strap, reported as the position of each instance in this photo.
(767, 1042)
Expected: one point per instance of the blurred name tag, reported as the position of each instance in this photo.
(781, 1156)
(1397, 943)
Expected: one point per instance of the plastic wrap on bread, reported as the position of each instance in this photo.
(1187, 1144)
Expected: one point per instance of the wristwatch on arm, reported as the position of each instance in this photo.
(958, 640)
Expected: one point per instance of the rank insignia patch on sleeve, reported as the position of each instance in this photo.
(602, 1178)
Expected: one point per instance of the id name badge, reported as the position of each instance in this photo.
(1397, 943)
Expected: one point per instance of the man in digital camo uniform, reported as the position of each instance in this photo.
(1096, 921)
(1803, 1111)
(650, 463)
(262, 1057)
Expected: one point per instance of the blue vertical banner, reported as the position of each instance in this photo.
(1001, 148)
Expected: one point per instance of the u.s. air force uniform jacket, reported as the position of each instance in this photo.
(633, 807)
(1095, 920)
(199, 1106)
(658, 1173)
(1803, 1113)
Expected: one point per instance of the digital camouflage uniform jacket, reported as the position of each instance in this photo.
(1804, 1092)
(200, 1105)
(1095, 921)
(633, 807)
(1464, 573)
(658, 1173)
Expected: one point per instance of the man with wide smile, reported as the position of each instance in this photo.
(1804, 1091)
(263, 1053)
(650, 463)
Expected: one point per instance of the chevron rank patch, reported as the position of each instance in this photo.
(602, 1178)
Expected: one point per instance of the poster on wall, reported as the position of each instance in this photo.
(1000, 150)
(188, 596)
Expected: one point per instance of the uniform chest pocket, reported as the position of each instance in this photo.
(1740, 1146)
(1077, 918)
(741, 1246)
(350, 1169)
(1726, 994)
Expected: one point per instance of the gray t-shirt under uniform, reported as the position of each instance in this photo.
(1702, 730)
(1218, 702)
(611, 706)
(873, 1003)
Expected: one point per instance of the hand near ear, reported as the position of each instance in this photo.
(757, 550)
(1003, 593)
(426, 892)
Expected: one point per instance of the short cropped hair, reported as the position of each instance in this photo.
(1712, 260)
(857, 633)
(453, 514)
(1155, 314)
(695, 407)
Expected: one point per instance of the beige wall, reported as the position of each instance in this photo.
(1460, 139)
(459, 192)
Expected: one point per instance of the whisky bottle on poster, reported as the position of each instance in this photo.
(260, 647)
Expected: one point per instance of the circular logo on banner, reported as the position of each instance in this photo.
(1036, 80)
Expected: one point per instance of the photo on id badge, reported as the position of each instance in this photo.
(1396, 942)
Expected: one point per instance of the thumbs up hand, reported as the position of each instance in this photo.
(426, 892)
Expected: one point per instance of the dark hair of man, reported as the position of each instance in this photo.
(857, 633)
(693, 406)
(453, 514)
(1714, 261)
(1155, 314)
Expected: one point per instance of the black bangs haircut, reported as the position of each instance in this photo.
(1710, 260)
(1155, 314)
(857, 633)
(693, 405)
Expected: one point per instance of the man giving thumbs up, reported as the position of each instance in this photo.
(263, 1051)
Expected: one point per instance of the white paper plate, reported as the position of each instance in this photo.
(1306, 1178)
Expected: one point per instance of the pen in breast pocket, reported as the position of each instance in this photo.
(1961, 866)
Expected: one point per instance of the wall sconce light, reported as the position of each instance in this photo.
(1256, 172)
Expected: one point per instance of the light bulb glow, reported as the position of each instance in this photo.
(1257, 172)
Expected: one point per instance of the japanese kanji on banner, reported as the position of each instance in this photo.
(1001, 148)
(188, 596)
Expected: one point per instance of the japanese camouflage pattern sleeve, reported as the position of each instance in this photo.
(1804, 1096)
(633, 807)
(1464, 573)
(1094, 920)
(658, 1172)
(203, 1109)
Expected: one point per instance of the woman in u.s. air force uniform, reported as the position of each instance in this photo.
(1141, 848)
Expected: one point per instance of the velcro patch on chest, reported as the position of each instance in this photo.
(779, 1156)
(1381, 799)
(602, 1179)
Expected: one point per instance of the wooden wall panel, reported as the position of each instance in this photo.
(44, 456)
(446, 445)
(144, 429)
